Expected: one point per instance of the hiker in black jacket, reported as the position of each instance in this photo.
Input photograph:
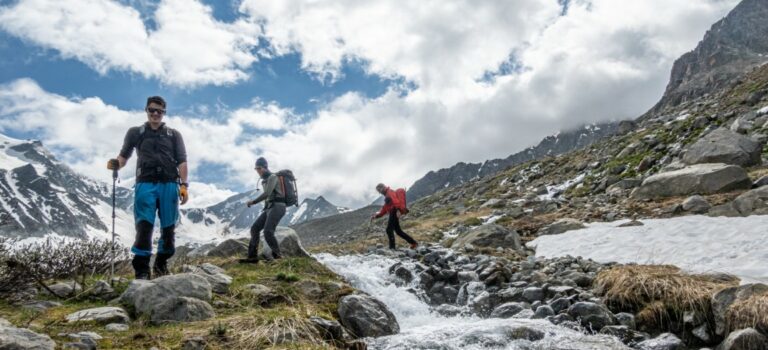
(274, 210)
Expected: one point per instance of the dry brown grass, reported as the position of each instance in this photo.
(294, 332)
(752, 312)
(660, 294)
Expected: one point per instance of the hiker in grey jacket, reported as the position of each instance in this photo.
(274, 210)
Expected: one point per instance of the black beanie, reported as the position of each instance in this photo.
(261, 162)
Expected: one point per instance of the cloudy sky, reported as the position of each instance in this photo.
(347, 93)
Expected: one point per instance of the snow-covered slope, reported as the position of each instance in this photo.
(695, 243)
(39, 195)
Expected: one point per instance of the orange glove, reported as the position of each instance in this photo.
(113, 164)
(183, 193)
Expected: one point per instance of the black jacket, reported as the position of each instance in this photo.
(159, 152)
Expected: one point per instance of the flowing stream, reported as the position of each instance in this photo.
(422, 328)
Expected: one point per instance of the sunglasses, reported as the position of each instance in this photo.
(258, 167)
(155, 110)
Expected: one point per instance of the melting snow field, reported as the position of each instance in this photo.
(699, 244)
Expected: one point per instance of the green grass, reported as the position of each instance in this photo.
(239, 324)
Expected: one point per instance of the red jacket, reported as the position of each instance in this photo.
(391, 202)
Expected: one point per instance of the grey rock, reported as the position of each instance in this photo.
(181, 309)
(626, 319)
(215, 275)
(66, 289)
(752, 202)
(592, 316)
(665, 341)
(761, 182)
(695, 179)
(723, 300)
(329, 330)
(560, 319)
(287, 240)
(724, 146)
(533, 294)
(13, 338)
(40, 305)
(632, 223)
(561, 226)
(262, 294)
(696, 204)
(702, 334)
(229, 248)
(543, 311)
(365, 316)
(117, 327)
(726, 209)
(101, 315)
(146, 296)
(527, 333)
(490, 235)
(745, 339)
(560, 304)
(508, 310)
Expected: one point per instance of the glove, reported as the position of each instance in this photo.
(373, 217)
(113, 164)
(183, 193)
(249, 203)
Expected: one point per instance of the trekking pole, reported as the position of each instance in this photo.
(112, 260)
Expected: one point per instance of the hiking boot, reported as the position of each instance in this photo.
(248, 261)
(143, 276)
(160, 271)
(276, 256)
(414, 245)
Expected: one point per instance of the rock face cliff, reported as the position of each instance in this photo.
(731, 47)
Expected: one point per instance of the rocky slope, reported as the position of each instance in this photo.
(40, 195)
(732, 46)
(551, 145)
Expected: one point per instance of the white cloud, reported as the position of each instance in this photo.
(84, 133)
(604, 60)
(188, 48)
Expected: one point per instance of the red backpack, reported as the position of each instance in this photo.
(400, 194)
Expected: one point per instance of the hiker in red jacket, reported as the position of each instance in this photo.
(394, 206)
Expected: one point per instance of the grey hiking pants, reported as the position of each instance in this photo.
(267, 221)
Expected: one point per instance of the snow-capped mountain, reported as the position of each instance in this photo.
(232, 215)
(40, 195)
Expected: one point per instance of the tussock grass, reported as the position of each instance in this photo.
(752, 312)
(660, 294)
(284, 331)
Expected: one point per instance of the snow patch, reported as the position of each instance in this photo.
(699, 244)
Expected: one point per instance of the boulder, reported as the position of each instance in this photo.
(490, 235)
(65, 289)
(745, 339)
(695, 179)
(181, 309)
(561, 226)
(229, 248)
(592, 316)
(724, 146)
(287, 240)
(117, 327)
(665, 341)
(723, 300)
(365, 316)
(101, 315)
(13, 338)
(215, 275)
(150, 297)
(754, 202)
(330, 330)
(508, 310)
(40, 305)
(696, 204)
